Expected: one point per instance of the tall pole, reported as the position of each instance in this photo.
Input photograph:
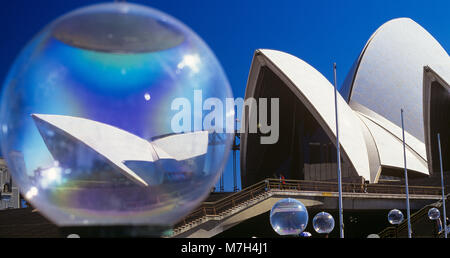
(442, 185)
(406, 179)
(341, 219)
(234, 164)
(235, 148)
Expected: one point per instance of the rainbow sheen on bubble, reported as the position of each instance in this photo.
(120, 65)
(288, 217)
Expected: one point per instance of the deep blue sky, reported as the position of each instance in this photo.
(319, 32)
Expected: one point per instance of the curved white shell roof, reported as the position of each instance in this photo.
(389, 73)
(440, 73)
(390, 149)
(317, 94)
(118, 146)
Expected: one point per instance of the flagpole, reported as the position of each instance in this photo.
(341, 219)
(406, 179)
(442, 185)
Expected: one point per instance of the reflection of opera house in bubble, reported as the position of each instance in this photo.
(102, 148)
(401, 67)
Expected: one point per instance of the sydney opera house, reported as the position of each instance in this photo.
(401, 67)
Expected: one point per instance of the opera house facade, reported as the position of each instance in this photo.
(401, 67)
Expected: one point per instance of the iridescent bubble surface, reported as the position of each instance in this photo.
(86, 118)
(434, 214)
(288, 217)
(395, 217)
(323, 223)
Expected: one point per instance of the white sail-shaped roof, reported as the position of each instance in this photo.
(118, 146)
(317, 94)
(388, 74)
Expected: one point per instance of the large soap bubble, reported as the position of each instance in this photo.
(289, 217)
(395, 217)
(323, 223)
(98, 120)
(434, 214)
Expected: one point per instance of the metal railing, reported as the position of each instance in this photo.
(263, 187)
(323, 186)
